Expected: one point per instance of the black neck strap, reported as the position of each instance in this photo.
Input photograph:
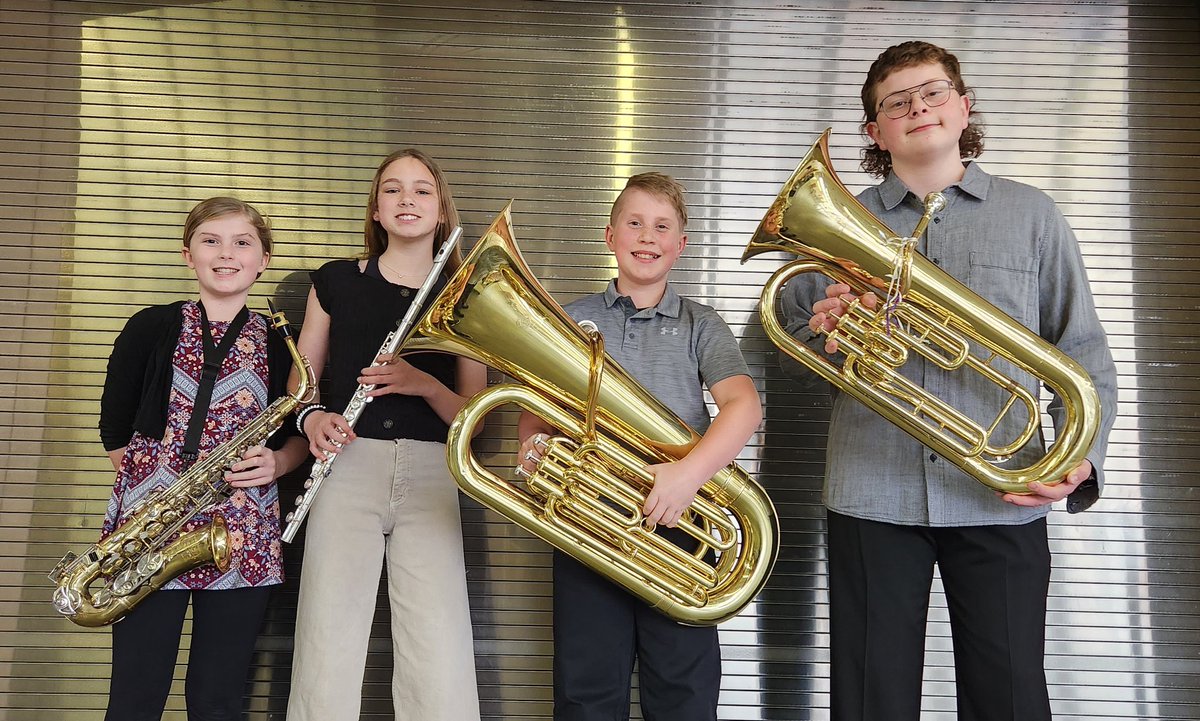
(214, 358)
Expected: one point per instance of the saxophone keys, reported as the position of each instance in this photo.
(150, 564)
(100, 599)
(122, 584)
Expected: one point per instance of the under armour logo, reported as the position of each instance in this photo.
(668, 331)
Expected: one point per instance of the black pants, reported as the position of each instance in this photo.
(995, 578)
(145, 644)
(599, 629)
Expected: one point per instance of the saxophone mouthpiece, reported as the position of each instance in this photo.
(279, 321)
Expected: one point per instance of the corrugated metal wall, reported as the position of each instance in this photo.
(115, 117)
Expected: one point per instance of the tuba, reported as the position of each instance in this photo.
(586, 495)
(927, 312)
(147, 550)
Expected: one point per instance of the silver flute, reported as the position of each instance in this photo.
(360, 399)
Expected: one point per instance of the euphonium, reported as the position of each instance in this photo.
(586, 495)
(818, 219)
(143, 553)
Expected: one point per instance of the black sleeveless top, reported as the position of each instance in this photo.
(363, 308)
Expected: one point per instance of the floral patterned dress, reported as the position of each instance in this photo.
(239, 395)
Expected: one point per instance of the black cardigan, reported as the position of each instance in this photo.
(137, 387)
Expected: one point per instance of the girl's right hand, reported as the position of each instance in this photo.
(327, 434)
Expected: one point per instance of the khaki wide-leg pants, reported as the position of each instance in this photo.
(393, 501)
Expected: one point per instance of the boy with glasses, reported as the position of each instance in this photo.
(897, 510)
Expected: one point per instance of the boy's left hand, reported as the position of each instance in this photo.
(673, 492)
(257, 468)
(1042, 494)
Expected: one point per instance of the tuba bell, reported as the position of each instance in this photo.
(816, 218)
(585, 497)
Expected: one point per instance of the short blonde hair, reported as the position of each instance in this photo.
(221, 206)
(660, 185)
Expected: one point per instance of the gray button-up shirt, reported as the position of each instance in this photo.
(673, 349)
(1008, 243)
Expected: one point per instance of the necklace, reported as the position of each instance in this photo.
(397, 273)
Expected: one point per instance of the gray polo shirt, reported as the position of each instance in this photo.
(1010, 244)
(673, 349)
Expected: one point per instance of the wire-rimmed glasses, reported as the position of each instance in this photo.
(933, 93)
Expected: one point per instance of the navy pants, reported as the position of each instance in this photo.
(995, 578)
(145, 644)
(600, 629)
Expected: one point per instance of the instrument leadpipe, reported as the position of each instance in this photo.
(360, 399)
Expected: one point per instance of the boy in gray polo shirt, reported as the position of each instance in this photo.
(674, 347)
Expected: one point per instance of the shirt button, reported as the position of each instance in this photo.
(631, 336)
(937, 220)
(932, 456)
(388, 423)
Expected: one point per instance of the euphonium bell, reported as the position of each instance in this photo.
(816, 218)
(585, 498)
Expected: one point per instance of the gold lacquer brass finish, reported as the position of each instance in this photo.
(816, 218)
(585, 496)
(144, 553)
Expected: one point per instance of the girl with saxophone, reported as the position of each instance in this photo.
(389, 498)
(155, 420)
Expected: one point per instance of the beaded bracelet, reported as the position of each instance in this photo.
(304, 414)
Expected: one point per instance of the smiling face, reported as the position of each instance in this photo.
(646, 236)
(407, 204)
(227, 255)
(925, 134)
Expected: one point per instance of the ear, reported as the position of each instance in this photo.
(966, 111)
(187, 257)
(375, 216)
(874, 134)
(682, 241)
(266, 260)
(608, 236)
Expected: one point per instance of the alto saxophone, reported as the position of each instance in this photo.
(143, 553)
(360, 399)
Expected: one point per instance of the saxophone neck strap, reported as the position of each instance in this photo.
(214, 357)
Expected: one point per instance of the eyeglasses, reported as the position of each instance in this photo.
(934, 94)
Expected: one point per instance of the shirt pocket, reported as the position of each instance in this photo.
(1007, 281)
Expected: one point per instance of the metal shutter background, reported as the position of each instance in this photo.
(116, 117)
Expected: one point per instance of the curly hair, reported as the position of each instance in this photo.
(878, 162)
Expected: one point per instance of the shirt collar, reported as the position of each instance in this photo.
(975, 182)
(668, 306)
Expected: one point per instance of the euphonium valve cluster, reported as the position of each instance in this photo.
(586, 495)
(922, 310)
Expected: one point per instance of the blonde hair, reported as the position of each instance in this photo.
(660, 185)
(221, 206)
(375, 239)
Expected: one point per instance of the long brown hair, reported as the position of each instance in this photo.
(375, 239)
(878, 162)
